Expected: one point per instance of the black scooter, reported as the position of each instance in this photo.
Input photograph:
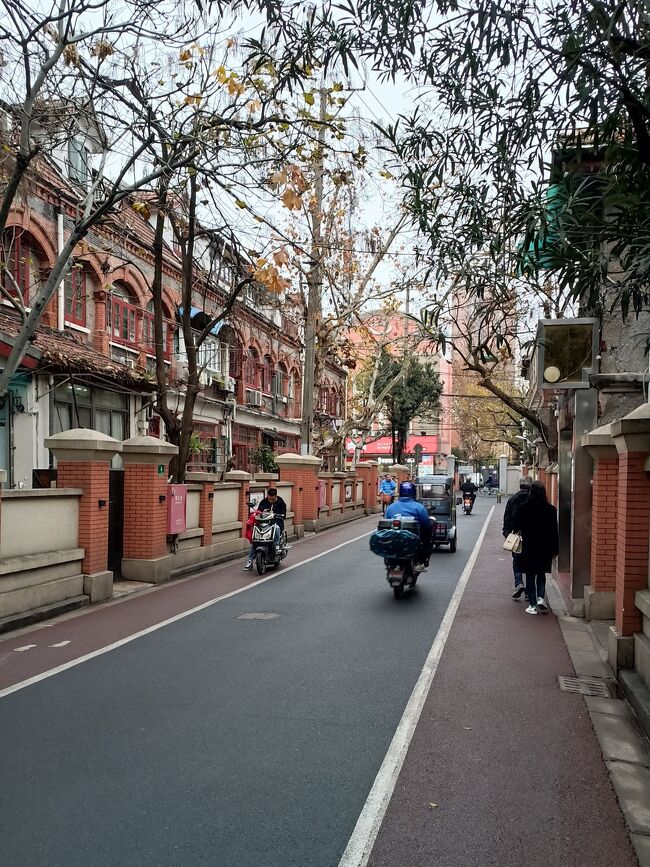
(267, 554)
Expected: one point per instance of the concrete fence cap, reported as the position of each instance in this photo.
(83, 445)
(148, 445)
(632, 432)
(293, 460)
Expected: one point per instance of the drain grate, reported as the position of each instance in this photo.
(258, 615)
(585, 686)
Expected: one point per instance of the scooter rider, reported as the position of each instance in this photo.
(407, 505)
(468, 487)
(271, 503)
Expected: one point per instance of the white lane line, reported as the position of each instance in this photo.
(71, 664)
(360, 844)
(24, 648)
(59, 644)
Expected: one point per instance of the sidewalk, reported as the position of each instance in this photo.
(504, 767)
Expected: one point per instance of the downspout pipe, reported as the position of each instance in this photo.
(60, 318)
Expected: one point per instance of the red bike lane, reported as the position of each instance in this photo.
(503, 768)
(35, 651)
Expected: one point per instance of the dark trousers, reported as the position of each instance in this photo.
(517, 569)
(535, 586)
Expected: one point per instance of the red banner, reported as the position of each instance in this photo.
(384, 446)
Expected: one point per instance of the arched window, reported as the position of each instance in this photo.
(123, 314)
(280, 384)
(23, 262)
(149, 331)
(252, 371)
(77, 286)
(267, 374)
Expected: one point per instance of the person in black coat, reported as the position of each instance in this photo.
(536, 520)
(513, 504)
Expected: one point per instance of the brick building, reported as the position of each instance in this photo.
(92, 362)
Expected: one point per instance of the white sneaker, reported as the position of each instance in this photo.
(541, 604)
(531, 610)
(248, 566)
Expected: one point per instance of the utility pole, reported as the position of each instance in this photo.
(314, 286)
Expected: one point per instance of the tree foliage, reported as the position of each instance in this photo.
(414, 391)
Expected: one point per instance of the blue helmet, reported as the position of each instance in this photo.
(407, 489)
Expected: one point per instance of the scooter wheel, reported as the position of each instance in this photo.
(260, 561)
(398, 591)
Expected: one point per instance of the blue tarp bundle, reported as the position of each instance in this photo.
(394, 544)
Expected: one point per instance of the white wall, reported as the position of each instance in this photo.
(37, 522)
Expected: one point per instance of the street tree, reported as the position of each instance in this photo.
(415, 394)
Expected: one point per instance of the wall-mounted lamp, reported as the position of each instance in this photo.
(211, 495)
(101, 504)
(161, 498)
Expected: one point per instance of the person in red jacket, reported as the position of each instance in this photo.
(248, 533)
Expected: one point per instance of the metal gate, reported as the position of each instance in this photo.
(115, 522)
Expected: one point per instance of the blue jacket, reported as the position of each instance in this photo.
(407, 506)
(387, 487)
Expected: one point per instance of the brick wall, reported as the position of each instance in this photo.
(604, 521)
(633, 527)
(92, 478)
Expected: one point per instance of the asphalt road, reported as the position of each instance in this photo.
(220, 740)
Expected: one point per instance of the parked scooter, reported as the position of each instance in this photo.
(397, 541)
(267, 553)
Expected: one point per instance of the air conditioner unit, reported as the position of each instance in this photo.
(218, 379)
(229, 383)
(281, 398)
(254, 398)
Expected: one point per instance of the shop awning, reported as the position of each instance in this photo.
(272, 434)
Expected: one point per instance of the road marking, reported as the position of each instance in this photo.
(73, 662)
(24, 648)
(361, 843)
(59, 644)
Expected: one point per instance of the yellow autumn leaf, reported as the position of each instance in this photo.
(185, 55)
(309, 98)
(241, 204)
(142, 208)
(290, 200)
(281, 257)
(254, 105)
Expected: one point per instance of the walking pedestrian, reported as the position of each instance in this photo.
(536, 520)
(387, 490)
(513, 504)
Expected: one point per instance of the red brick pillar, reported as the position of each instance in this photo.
(146, 468)
(367, 471)
(243, 480)
(206, 503)
(83, 460)
(600, 594)
(302, 470)
(632, 438)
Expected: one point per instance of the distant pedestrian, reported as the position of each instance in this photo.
(536, 520)
(387, 489)
(513, 504)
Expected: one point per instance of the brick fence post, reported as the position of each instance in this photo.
(3, 478)
(367, 471)
(146, 467)
(632, 438)
(83, 460)
(600, 593)
(302, 470)
(206, 502)
(401, 474)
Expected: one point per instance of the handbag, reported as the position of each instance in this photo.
(513, 543)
